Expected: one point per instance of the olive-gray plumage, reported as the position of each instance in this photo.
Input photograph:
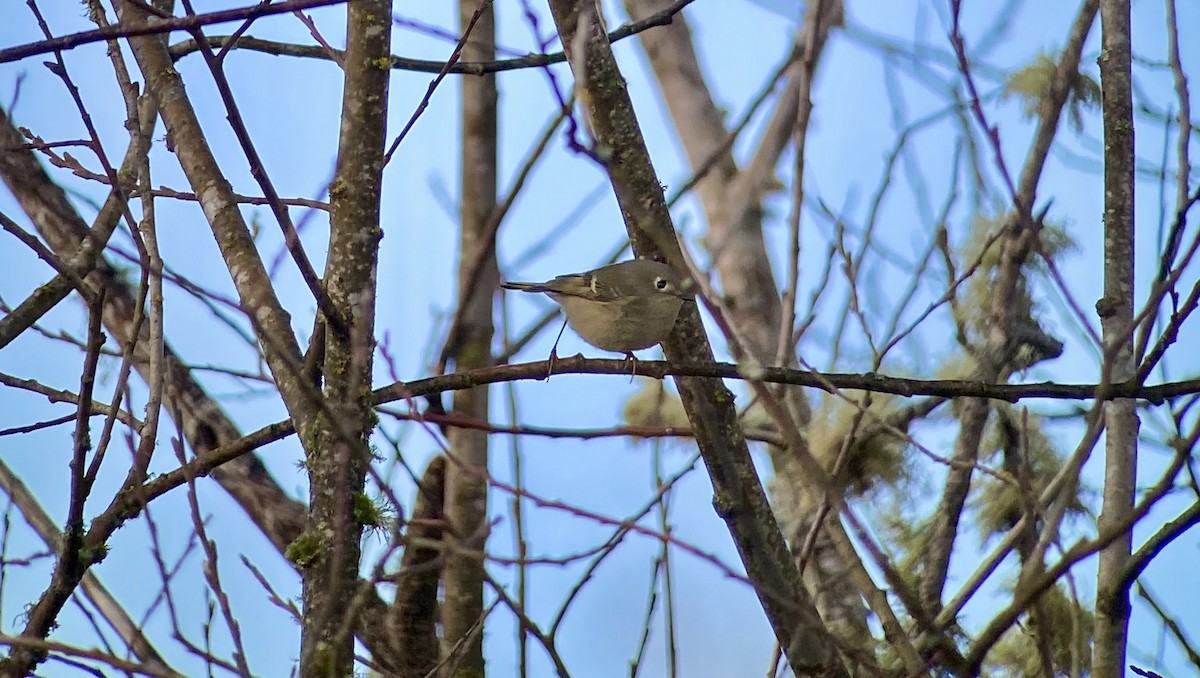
(622, 307)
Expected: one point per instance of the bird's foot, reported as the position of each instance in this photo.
(632, 359)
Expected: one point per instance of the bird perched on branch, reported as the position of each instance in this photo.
(622, 307)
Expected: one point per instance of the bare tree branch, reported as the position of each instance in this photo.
(338, 454)
(739, 497)
(470, 346)
(1116, 319)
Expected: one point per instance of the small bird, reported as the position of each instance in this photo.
(621, 308)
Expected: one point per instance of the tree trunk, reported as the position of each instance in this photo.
(478, 278)
(1116, 317)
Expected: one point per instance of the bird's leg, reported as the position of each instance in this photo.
(631, 358)
(554, 351)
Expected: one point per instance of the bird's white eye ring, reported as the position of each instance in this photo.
(660, 283)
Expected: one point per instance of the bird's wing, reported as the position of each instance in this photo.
(583, 285)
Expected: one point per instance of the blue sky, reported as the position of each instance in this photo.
(292, 106)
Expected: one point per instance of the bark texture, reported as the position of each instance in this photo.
(478, 278)
(337, 462)
(732, 200)
(1110, 635)
(413, 618)
(738, 493)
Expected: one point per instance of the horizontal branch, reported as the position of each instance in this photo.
(830, 382)
(55, 395)
(157, 26)
(759, 434)
(400, 63)
(205, 463)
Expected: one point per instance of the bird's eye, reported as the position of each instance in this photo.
(661, 283)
